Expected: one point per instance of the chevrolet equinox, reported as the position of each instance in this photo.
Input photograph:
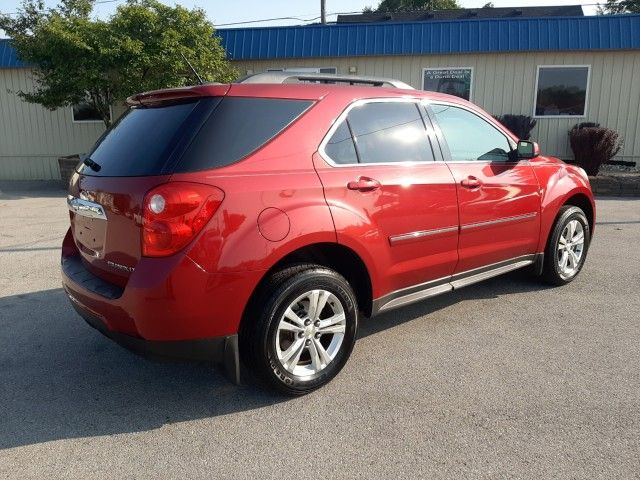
(255, 223)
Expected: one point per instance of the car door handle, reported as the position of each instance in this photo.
(471, 182)
(363, 184)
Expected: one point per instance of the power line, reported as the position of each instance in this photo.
(284, 18)
(299, 19)
(345, 13)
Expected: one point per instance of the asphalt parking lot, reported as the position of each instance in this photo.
(507, 378)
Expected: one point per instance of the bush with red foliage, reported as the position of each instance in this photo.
(520, 125)
(593, 145)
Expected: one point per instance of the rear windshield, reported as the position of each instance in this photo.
(192, 136)
(140, 142)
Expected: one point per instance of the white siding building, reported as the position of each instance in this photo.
(560, 70)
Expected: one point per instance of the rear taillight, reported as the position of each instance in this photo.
(174, 213)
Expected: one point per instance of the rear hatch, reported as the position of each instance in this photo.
(138, 153)
(181, 130)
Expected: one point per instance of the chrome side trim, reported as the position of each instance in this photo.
(395, 239)
(478, 277)
(516, 218)
(408, 295)
(416, 297)
(86, 208)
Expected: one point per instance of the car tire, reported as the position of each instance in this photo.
(567, 246)
(289, 345)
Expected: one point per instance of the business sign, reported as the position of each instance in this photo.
(453, 81)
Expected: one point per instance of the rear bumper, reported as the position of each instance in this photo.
(169, 308)
(164, 299)
(219, 350)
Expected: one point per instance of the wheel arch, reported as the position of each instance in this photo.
(332, 255)
(582, 201)
(563, 189)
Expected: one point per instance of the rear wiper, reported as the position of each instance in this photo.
(91, 164)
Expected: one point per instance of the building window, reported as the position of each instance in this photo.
(561, 91)
(85, 112)
(453, 81)
(305, 70)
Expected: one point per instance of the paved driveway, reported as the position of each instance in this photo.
(507, 378)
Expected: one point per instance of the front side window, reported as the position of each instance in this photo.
(387, 132)
(562, 91)
(469, 137)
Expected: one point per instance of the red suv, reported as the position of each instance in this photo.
(261, 220)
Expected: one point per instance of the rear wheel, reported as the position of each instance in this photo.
(305, 329)
(567, 246)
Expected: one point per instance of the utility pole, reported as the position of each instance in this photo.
(323, 12)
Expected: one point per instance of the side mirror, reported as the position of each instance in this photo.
(527, 149)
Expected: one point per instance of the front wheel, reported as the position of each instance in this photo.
(305, 329)
(567, 246)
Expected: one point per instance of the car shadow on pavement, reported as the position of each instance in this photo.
(61, 379)
(514, 282)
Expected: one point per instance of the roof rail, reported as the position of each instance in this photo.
(293, 77)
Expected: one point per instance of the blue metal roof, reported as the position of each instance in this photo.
(8, 56)
(605, 32)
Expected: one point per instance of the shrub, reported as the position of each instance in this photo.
(520, 125)
(593, 145)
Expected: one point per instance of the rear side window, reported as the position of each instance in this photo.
(340, 146)
(237, 127)
(390, 132)
(140, 142)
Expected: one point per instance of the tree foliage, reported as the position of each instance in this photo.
(393, 6)
(620, 6)
(78, 59)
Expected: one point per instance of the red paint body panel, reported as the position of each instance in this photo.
(558, 183)
(500, 218)
(411, 198)
(202, 290)
(171, 298)
(118, 239)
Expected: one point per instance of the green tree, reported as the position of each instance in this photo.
(619, 6)
(392, 6)
(79, 59)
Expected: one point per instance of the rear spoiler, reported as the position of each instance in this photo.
(157, 97)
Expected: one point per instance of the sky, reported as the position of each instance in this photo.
(230, 11)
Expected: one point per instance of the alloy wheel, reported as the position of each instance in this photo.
(570, 249)
(310, 333)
